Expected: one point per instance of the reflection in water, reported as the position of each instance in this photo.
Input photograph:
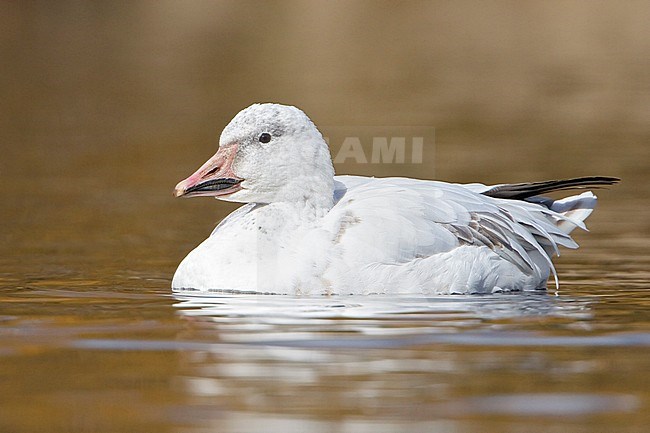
(252, 318)
(366, 357)
(389, 322)
(552, 405)
(377, 306)
(374, 357)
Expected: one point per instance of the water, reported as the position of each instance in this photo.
(106, 107)
(105, 359)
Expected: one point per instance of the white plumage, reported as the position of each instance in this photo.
(305, 230)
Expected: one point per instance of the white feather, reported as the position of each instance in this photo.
(325, 234)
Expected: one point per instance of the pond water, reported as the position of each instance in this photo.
(109, 105)
(93, 356)
(93, 340)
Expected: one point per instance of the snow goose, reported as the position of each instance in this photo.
(304, 230)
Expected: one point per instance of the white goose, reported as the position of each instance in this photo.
(304, 230)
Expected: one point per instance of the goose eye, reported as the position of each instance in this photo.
(265, 137)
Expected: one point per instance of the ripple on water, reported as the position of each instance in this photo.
(381, 323)
(547, 404)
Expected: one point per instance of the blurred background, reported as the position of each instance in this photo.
(106, 105)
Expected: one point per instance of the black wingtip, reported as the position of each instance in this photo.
(522, 191)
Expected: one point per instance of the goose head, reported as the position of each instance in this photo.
(267, 153)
